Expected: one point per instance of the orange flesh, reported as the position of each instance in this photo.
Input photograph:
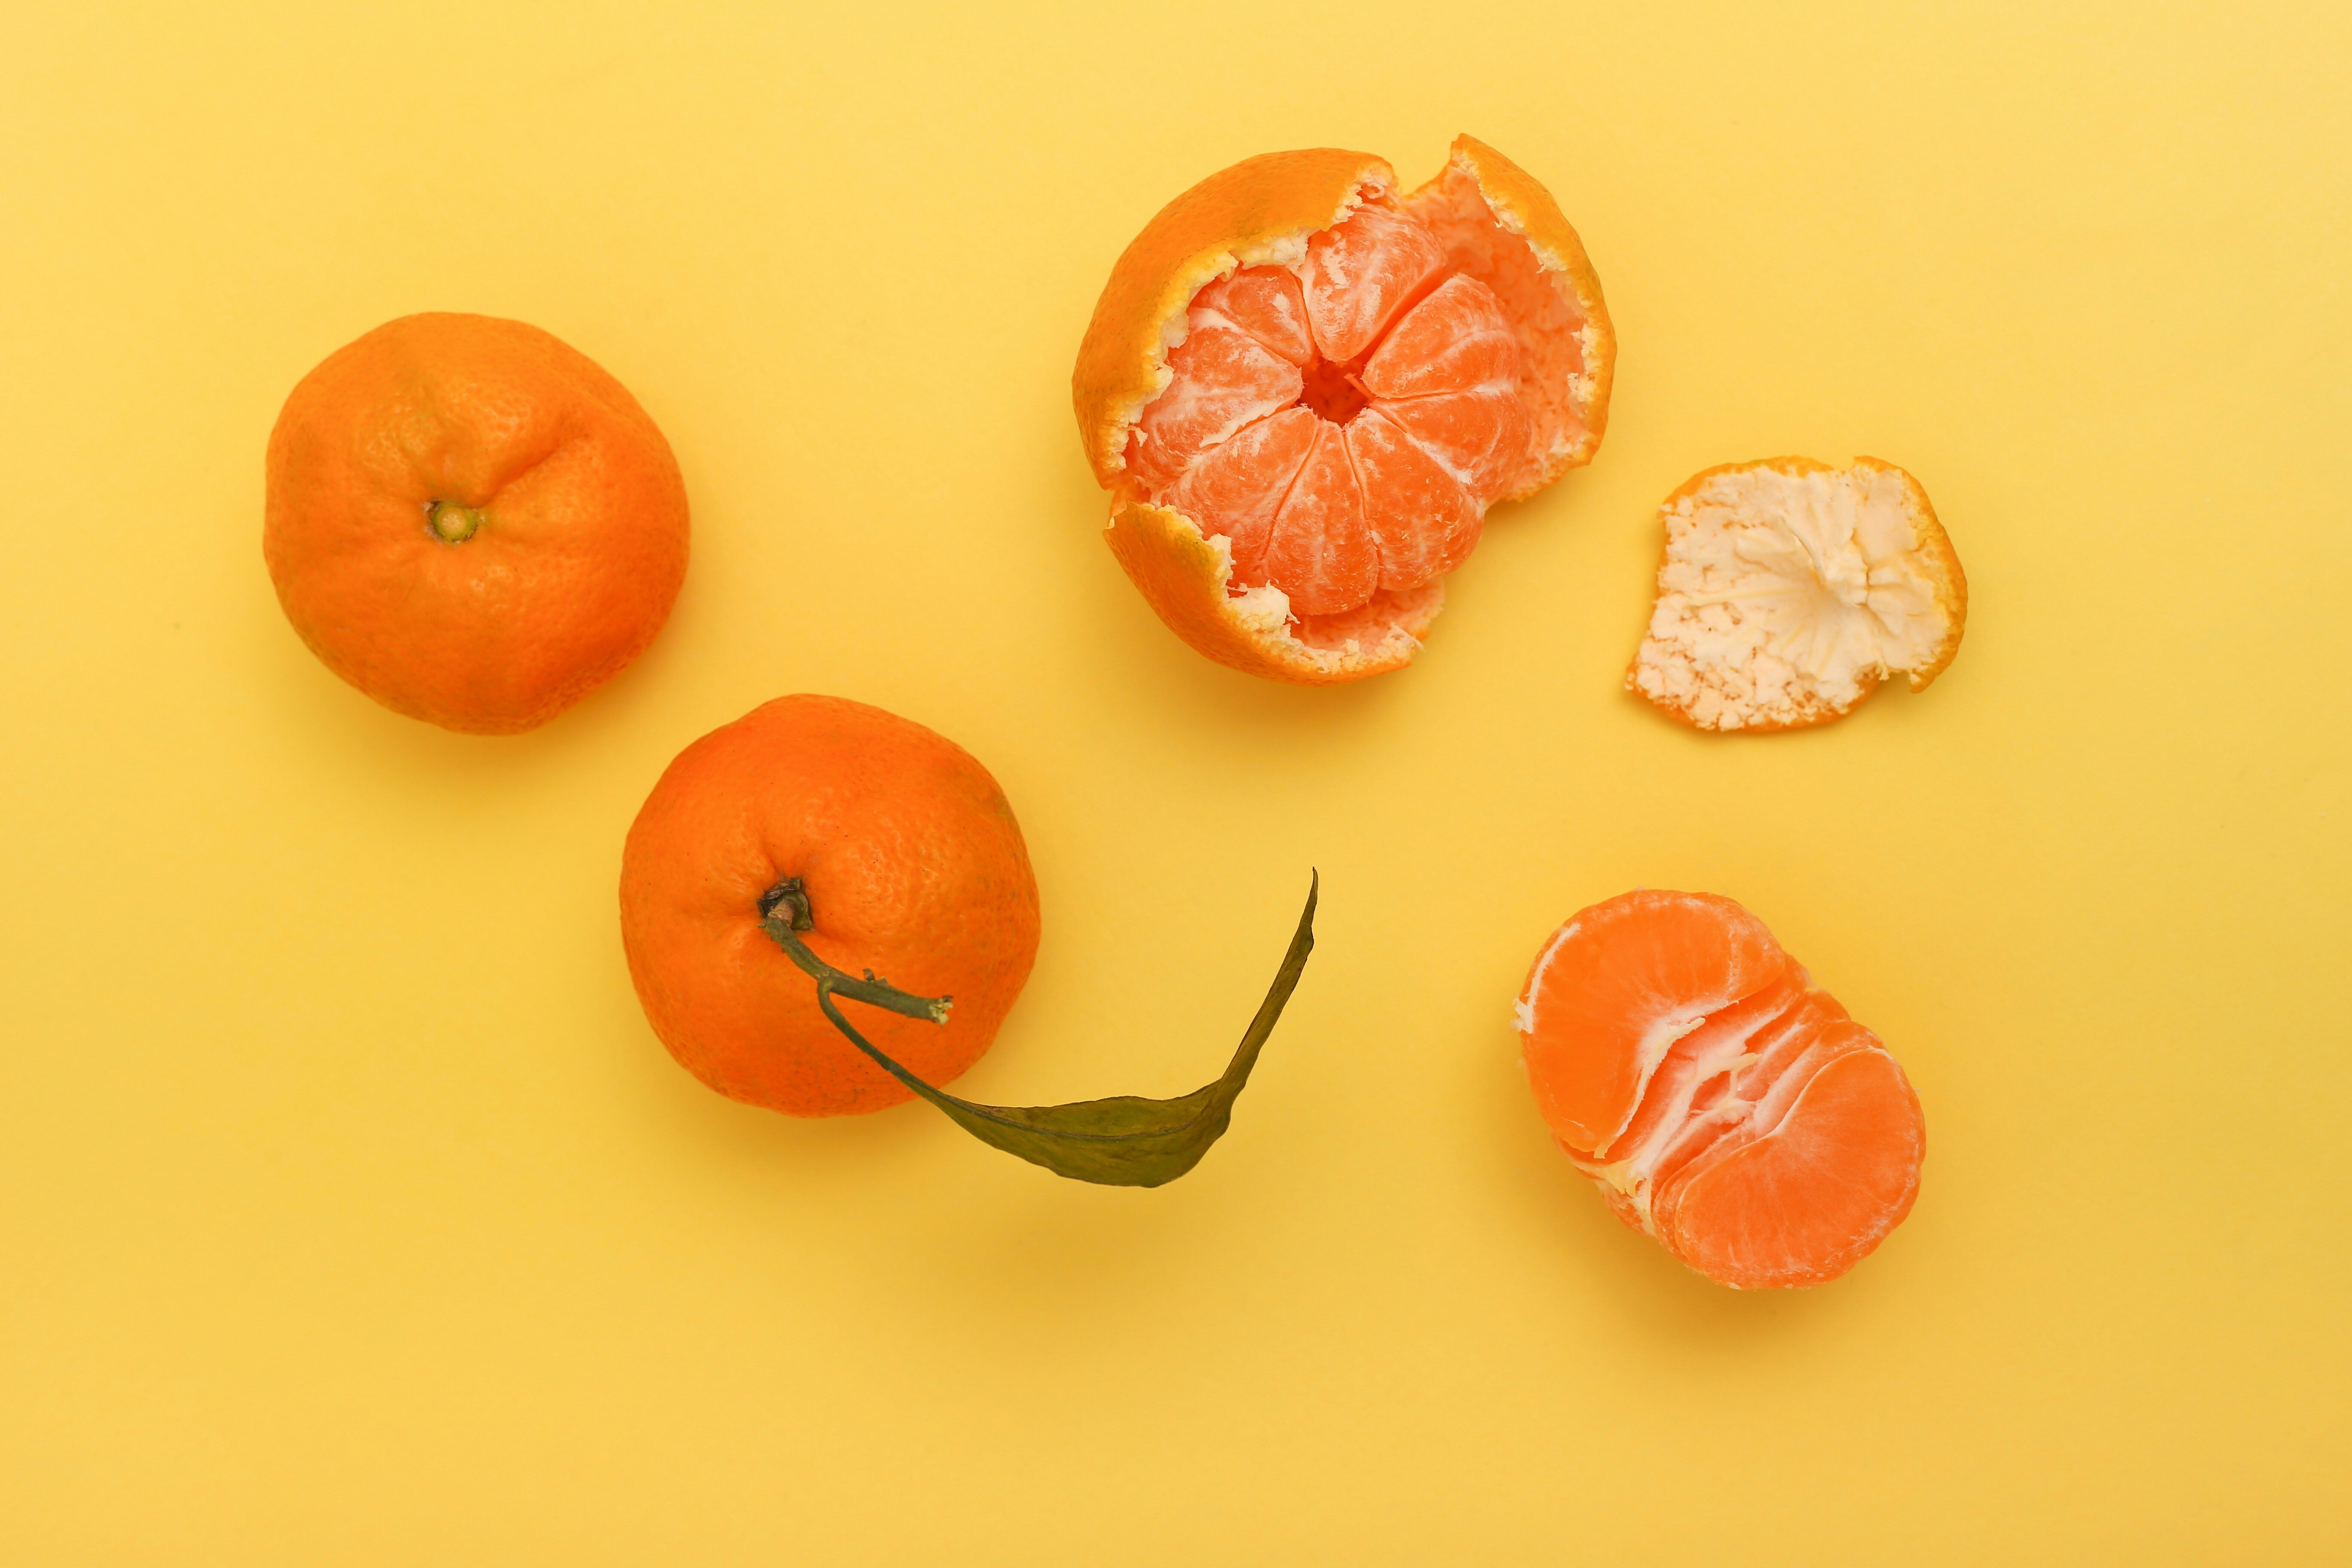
(1345, 425)
(1722, 1103)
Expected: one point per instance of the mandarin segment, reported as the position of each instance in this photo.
(1265, 302)
(1479, 436)
(1761, 1213)
(1454, 339)
(1225, 380)
(1321, 549)
(1423, 522)
(1617, 986)
(1240, 487)
(1455, 351)
(1361, 273)
(1723, 1104)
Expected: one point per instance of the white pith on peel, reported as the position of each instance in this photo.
(1785, 596)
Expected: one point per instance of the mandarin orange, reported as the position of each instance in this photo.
(1304, 388)
(471, 521)
(911, 865)
(1722, 1103)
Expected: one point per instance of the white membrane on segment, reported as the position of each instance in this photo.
(1524, 1010)
(1675, 1123)
(1659, 1038)
(1557, 343)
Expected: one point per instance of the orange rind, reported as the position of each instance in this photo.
(1789, 589)
(471, 521)
(1304, 388)
(1723, 1104)
(910, 866)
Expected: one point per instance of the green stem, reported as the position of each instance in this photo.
(785, 912)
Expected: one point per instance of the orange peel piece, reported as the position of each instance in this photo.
(1309, 280)
(1789, 589)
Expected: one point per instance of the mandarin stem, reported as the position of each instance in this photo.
(785, 912)
(1122, 1140)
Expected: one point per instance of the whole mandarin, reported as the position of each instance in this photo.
(913, 869)
(472, 521)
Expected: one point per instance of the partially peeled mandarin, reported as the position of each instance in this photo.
(1304, 388)
(1722, 1103)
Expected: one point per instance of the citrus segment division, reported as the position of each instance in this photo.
(1331, 380)
(1361, 271)
(1721, 1102)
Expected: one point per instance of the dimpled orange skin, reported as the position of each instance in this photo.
(913, 867)
(580, 545)
(1239, 216)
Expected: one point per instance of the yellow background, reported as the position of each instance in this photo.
(350, 1214)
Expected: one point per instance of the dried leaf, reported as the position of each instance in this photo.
(1124, 1141)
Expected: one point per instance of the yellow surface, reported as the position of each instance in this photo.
(349, 1213)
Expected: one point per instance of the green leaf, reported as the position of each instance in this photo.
(1124, 1141)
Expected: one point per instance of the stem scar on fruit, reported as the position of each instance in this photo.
(452, 523)
(1122, 1140)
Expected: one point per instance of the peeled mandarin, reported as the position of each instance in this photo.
(1722, 1103)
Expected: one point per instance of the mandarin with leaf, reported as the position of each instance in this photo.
(784, 861)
